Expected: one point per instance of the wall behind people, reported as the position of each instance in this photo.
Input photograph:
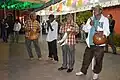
(115, 11)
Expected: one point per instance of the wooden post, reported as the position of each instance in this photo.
(4, 11)
(75, 17)
(61, 18)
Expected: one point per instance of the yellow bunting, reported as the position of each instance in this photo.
(69, 2)
(79, 3)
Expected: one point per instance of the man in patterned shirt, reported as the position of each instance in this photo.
(32, 28)
(69, 48)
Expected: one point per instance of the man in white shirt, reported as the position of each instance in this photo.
(16, 29)
(96, 23)
(52, 38)
(83, 33)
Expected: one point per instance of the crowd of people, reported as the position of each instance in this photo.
(9, 27)
(67, 34)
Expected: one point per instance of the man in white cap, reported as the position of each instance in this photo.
(96, 23)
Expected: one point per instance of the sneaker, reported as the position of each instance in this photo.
(55, 61)
(95, 76)
(40, 59)
(49, 58)
(61, 68)
(114, 53)
(31, 59)
(79, 73)
(69, 70)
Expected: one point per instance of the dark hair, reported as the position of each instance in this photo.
(111, 15)
(38, 18)
(51, 16)
(17, 20)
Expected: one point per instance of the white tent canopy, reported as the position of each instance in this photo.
(66, 9)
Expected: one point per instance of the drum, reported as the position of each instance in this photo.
(99, 38)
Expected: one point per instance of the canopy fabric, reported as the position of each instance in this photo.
(22, 4)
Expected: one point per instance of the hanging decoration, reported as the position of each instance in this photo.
(79, 3)
(85, 2)
(50, 8)
(60, 8)
(69, 2)
(74, 3)
(64, 2)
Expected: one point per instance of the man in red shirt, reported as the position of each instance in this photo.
(69, 48)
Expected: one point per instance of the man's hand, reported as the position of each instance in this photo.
(91, 22)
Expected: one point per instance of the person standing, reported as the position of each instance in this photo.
(10, 22)
(4, 27)
(32, 28)
(83, 34)
(96, 23)
(68, 49)
(16, 29)
(110, 38)
(52, 38)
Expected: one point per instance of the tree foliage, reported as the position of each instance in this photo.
(83, 16)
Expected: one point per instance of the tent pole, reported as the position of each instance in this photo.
(4, 10)
(75, 17)
(61, 18)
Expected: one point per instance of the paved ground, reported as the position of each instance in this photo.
(14, 64)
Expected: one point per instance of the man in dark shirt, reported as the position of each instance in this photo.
(110, 38)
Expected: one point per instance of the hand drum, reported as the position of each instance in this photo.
(99, 38)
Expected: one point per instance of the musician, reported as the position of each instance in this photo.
(70, 29)
(52, 38)
(96, 23)
(32, 28)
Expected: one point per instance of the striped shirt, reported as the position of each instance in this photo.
(32, 28)
(71, 40)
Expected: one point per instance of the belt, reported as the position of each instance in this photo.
(91, 46)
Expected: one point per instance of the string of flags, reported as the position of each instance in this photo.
(68, 3)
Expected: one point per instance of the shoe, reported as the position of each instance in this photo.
(55, 61)
(114, 53)
(49, 58)
(105, 51)
(31, 59)
(61, 68)
(40, 59)
(79, 73)
(69, 70)
(95, 76)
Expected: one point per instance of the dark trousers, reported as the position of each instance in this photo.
(52, 46)
(4, 35)
(29, 47)
(111, 43)
(93, 51)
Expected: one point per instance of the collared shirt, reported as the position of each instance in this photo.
(105, 28)
(71, 40)
(52, 35)
(31, 27)
(17, 27)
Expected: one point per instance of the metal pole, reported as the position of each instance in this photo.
(75, 17)
(4, 10)
(61, 18)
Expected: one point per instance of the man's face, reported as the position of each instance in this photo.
(51, 19)
(69, 18)
(108, 17)
(96, 11)
(33, 17)
(16, 21)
